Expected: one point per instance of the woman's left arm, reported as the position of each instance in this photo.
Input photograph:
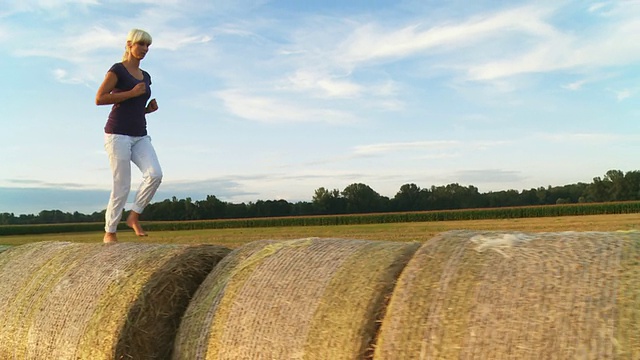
(151, 107)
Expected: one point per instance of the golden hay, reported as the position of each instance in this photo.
(299, 299)
(61, 300)
(492, 295)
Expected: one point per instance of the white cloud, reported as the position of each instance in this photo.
(175, 40)
(62, 76)
(576, 85)
(75, 47)
(51, 9)
(485, 145)
(623, 94)
(589, 79)
(371, 42)
(551, 55)
(507, 43)
(34, 5)
(607, 44)
(387, 104)
(58, 3)
(383, 148)
(306, 79)
(275, 110)
(597, 6)
(582, 138)
(386, 148)
(439, 156)
(387, 88)
(331, 68)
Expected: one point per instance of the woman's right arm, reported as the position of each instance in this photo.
(105, 95)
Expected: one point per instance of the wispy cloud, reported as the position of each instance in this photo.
(318, 62)
(603, 7)
(329, 86)
(387, 148)
(505, 44)
(4, 33)
(576, 85)
(589, 79)
(277, 110)
(175, 39)
(597, 6)
(37, 5)
(76, 48)
(488, 144)
(623, 94)
(440, 156)
(604, 45)
(384, 148)
(31, 183)
(371, 42)
(62, 76)
(582, 138)
(336, 68)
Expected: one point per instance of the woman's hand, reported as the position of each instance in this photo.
(139, 90)
(153, 106)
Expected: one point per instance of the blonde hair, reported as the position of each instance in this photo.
(135, 36)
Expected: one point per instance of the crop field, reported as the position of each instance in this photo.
(409, 231)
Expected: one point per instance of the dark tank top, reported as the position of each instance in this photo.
(128, 117)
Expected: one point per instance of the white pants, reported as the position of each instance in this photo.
(122, 150)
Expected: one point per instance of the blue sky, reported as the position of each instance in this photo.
(265, 100)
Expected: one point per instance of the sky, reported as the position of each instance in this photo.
(269, 100)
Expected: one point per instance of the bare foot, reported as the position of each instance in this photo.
(132, 222)
(110, 238)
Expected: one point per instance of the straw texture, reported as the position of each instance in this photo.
(491, 295)
(299, 299)
(90, 301)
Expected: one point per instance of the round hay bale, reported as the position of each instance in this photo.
(496, 295)
(61, 300)
(308, 298)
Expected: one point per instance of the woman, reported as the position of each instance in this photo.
(127, 87)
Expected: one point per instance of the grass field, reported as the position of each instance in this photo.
(419, 231)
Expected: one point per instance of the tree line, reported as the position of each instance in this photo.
(360, 198)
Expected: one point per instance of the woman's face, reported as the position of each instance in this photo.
(139, 49)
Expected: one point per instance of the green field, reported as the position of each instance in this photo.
(409, 231)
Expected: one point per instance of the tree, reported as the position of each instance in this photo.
(271, 208)
(211, 208)
(408, 198)
(632, 179)
(361, 198)
(7, 218)
(598, 190)
(53, 216)
(567, 193)
(328, 202)
(454, 196)
(618, 187)
(529, 197)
